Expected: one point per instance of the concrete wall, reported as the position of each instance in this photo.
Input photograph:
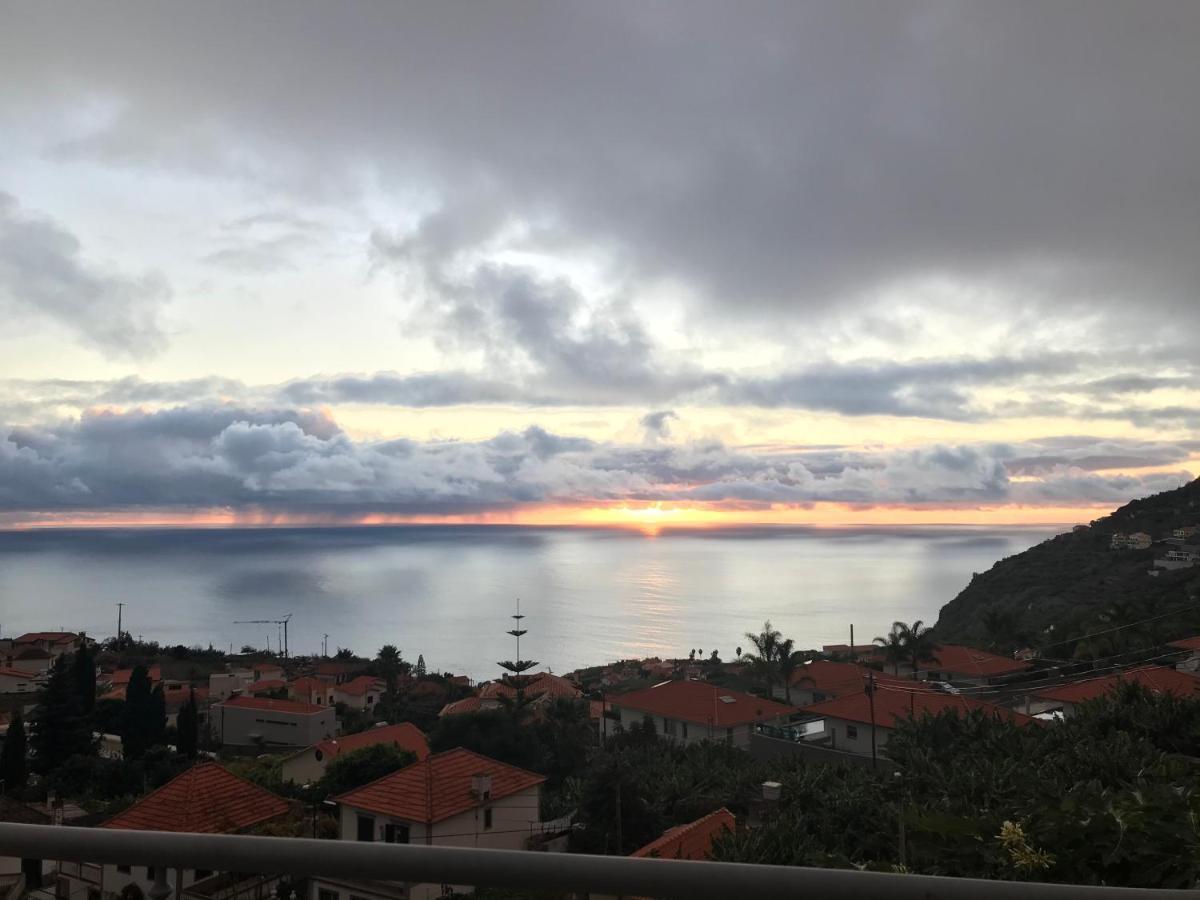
(222, 685)
(237, 725)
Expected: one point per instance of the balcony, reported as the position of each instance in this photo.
(293, 858)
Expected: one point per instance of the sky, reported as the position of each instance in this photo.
(597, 263)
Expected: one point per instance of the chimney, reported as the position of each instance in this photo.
(481, 786)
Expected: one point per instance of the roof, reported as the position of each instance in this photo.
(308, 683)
(176, 697)
(458, 707)
(263, 685)
(1157, 679)
(267, 667)
(21, 814)
(405, 735)
(701, 702)
(33, 653)
(969, 661)
(15, 673)
(691, 841)
(892, 704)
(1191, 643)
(839, 678)
(294, 707)
(206, 799)
(54, 637)
(359, 686)
(439, 787)
(122, 676)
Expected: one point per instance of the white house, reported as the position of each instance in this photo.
(246, 721)
(206, 799)
(361, 693)
(222, 685)
(452, 799)
(15, 681)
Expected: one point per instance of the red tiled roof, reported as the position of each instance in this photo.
(439, 787)
(121, 676)
(359, 686)
(308, 683)
(405, 735)
(1192, 643)
(33, 653)
(458, 707)
(15, 673)
(285, 706)
(176, 697)
(840, 678)
(206, 799)
(971, 662)
(892, 704)
(1158, 679)
(55, 637)
(702, 703)
(691, 841)
(267, 666)
(263, 685)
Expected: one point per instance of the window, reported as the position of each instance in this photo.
(124, 870)
(93, 894)
(668, 726)
(395, 834)
(326, 894)
(852, 732)
(366, 828)
(487, 818)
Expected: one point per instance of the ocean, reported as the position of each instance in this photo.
(446, 592)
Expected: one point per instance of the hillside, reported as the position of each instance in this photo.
(1073, 581)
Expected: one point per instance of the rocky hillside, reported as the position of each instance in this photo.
(1073, 581)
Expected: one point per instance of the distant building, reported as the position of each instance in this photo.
(1066, 698)
(16, 681)
(692, 841)
(1186, 532)
(251, 721)
(317, 691)
(693, 711)
(267, 671)
(226, 684)
(452, 799)
(1191, 662)
(53, 643)
(822, 679)
(1139, 540)
(966, 665)
(360, 693)
(31, 660)
(308, 765)
(538, 689)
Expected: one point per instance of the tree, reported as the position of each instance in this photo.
(350, 770)
(892, 645)
(420, 666)
(919, 644)
(787, 662)
(764, 661)
(138, 719)
(388, 663)
(59, 727)
(13, 769)
(187, 725)
(158, 717)
(344, 654)
(83, 670)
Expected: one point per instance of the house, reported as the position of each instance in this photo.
(340, 670)
(360, 693)
(317, 691)
(15, 681)
(226, 684)
(859, 652)
(538, 689)
(308, 765)
(1066, 698)
(821, 680)
(1191, 647)
(206, 799)
(53, 643)
(31, 660)
(691, 841)
(250, 721)
(1185, 532)
(267, 671)
(179, 694)
(120, 677)
(694, 711)
(966, 665)
(452, 799)
(1139, 540)
(846, 721)
(1182, 557)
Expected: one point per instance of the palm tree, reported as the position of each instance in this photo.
(919, 644)
(389, 666)
(764, 662)
(787, 661)
(892, 646)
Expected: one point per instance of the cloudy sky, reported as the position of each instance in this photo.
(606, 262)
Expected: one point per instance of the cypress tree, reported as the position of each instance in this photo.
(59, 727)
(83, 670)
(138, 715)
(157, 726)
(12, 758)
(187, 724)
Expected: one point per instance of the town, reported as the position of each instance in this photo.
(698, 757)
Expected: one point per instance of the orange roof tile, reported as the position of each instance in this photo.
(308, 683)
(285, 706)
(264, 684)
(206, 799)
(702, 703)
(121, 676)
(894, 704)
(405, 735)
(55, 637)
(839, 678)
(458, 707)
(1157, 679)
(439, 787)
(267, 667)
(1191, 643)
(691, 841)
(960, 660)
(359, 686)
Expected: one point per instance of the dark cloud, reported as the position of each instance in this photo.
(44, 273)
(657, 425)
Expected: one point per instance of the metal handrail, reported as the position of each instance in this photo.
(522, 869)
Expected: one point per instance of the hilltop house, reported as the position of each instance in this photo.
(361, 693)
(1066, 698)
(250, 721)
(308, 765)
(53, 643)
(453, 799)
(317, 691)
(1139, 540)
(847, 720)
(694, 711)
(206, 799)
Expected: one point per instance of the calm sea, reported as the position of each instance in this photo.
(591, 596)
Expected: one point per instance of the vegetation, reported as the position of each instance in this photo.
(350, 770)
(60, 728)
(13, 771)
(144, 718)
(187, 727)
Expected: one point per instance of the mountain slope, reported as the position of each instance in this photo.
(1072, 579)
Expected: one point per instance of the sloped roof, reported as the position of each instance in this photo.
(839, 678)
(702, 703)
(404, 735)
(54, 637)
(1158, 679)
(15, 673)
(359, 686)
(20, 813)
(33, 653)
(268, 703)
(969, 661)
(309, 684)
(1191, 643)
(893, 704)
(459, 707)
(263, 685)
(121, 676)
(691, 841)
(206, 799)
(439, 787)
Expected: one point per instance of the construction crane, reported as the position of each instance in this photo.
(283, 622)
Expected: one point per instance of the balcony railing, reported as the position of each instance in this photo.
(298, 857)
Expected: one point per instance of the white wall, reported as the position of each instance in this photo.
(840, 731)
(686, 732)
(234, 725)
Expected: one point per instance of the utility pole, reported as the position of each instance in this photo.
(852, 640)
(325, 645)
(120, 609)
(871, 701)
